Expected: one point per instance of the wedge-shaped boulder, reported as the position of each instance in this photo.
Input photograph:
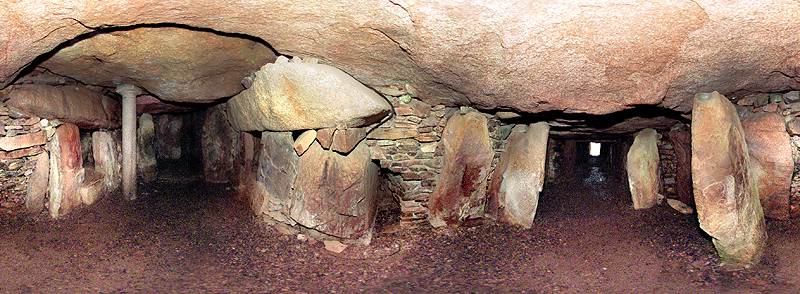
(725, 193)
(302, 96)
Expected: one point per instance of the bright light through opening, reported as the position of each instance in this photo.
(594, 149)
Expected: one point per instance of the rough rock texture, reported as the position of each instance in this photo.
(146, 148)
(169, 131)
(526, 56)
(152, 105)
(66, 170)
(336, 194)
(83, 106)
(191, 66)
(642, 168)
(246, 166)
(107, 154)
(299, 96)
(322, 190)
(771, 157)
(726, 196)
(468, 154)
(682, 144)
(38, 184)
(519, 177)
(22, 141)
(220, 145)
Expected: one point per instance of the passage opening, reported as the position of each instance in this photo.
(594, 149)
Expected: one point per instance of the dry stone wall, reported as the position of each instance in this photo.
(21, 140)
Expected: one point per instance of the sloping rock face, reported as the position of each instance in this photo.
(38, 185)
(146, 148)
(322, 190)
(468, 153)
(66, 170)
(221, 146)
(299, 96)
(771, 153)
(725, 193)
(642, 167)
(174, 64)
(79, 105)
(526, 56)
(519, 177)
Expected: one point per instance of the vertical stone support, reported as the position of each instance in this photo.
(519, 177)
(642, 166)
(128, 93)
(66, 170)
(146, 148)
(728, 205)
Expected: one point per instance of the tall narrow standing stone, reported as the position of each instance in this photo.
(38, 184)
(727, 198)
(66, 170)
(146, 148)
(642, 167)
(468, 153)
(221, 146)
(106, 153)
(128, 93)
(519, 177)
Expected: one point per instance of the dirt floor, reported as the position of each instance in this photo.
(184, 236)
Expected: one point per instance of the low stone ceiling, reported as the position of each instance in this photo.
(175, 64)
(589, 56)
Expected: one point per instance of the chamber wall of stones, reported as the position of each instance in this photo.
(668, 166)
(408, 150)
(17, 166)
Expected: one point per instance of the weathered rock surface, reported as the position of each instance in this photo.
(107, 154)
(468, 154)
(83, 106)
(38, 184)
(322, 190)
(22, 141)
(246, 166)
(345, 140)
(169, 131)
(301, 96)
(682, 143)
(92, 187)
(528, 57)
(725, 193)
(151, 105)
(66, 170)
(642, 168)
(146, 148)
(771, 157)
(175, 64)
(519, 177)
(220, 145)
(304, 141)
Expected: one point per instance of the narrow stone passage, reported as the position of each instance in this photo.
(177, 237)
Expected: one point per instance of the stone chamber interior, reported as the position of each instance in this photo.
(173, 156)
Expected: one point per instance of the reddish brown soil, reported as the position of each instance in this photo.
(190, 237)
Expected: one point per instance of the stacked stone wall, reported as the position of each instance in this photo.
(21, 139)
(668, 166)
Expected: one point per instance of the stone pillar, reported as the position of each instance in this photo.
(726, 196)
(642, 167)
(468, 153)
(128, 93)
(106, 152)
(66, 170)
(146, 148)
(519, 177)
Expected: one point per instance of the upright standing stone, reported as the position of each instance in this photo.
(277, 169)
(107, 157)
(244, 168)
(220, 146)
(146, 148)
(37, 184)
(642, 167)
(66, 170)
(771, 161)
(727, 199)
(519, 177)
(169, 130)
(682, 143)
(468, 153)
